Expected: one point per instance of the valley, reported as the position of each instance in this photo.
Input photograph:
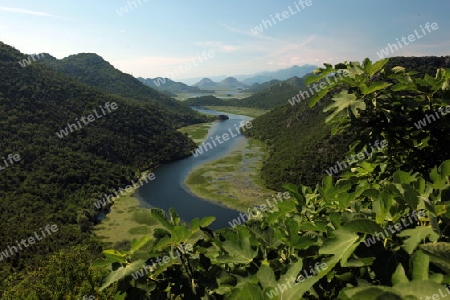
(172, 151)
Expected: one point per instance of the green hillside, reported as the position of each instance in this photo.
(302, 147)
(93, 70)
(57, 180)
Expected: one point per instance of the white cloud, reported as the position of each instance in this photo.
(218, 46)
(31, 12)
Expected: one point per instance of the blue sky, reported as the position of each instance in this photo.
(157, 36)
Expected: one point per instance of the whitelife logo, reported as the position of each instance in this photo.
(300, 278)
(26, 62)
(395, 228)
(11, 157)
(124, 9)
(281, 17)
(317, 87)
(430, 118)
(263, 208)
(128, 189)
(184, 68)
(225, 137)
(355, 158)
(90, 118)
(411, 38)
(31, 240)
(165, 260)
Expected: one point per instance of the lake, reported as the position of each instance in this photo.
(168, 189)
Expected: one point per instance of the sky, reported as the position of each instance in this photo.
(199, 38)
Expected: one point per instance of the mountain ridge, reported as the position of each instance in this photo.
(94, 71)
(280, 74)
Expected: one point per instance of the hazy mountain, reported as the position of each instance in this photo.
(194, 80)
(257, 87)
(261, 77)
(206, 83)
(167, 85)
(283, 74)
(231, 82)
(275, 94)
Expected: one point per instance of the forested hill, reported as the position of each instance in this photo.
(302, 147)
(57, 180)
(273, 96)
(93, 70)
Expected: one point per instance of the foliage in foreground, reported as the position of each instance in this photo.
(330, 224)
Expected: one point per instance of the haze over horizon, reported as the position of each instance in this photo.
(151, 40)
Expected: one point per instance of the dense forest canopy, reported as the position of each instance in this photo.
(93, 70)
(57, 180)
(302, 147)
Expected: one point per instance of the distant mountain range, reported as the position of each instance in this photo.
(282, 74)
(268, 95)
(168, 86)
(229, 82)
(261, 77)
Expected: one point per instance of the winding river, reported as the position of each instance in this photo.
(168, 189)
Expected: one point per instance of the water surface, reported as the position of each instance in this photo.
(168, 189)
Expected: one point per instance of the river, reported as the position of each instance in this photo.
(168, 189)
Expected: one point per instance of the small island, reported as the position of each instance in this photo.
(222, 117)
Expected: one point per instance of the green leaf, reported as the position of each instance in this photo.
(367, 65)
(363, 225)
(115, 256)
(313, 227)
(238, 247)
(413, 290)
(248, 290)
(398, 69)
(370, 293)
(266, 277)
(179, 234)
(320, 74)
(376, 86)
(408, 86)
(416, 236)
(418, 289)
(342, 101)
(195, 224)
(206, 221)
(420, 265)
(335, 219)
(445, 168)
(399, 276)
(160, 216)
(359, 262)
(293, 191)
(174, 217)
(439, 254)
(319, 95)
(342, 245)
(138, 244)
(376, 67)
(121, 273)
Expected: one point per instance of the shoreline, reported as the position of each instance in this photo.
(125, 220)
(224, 187)
(122, 214)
